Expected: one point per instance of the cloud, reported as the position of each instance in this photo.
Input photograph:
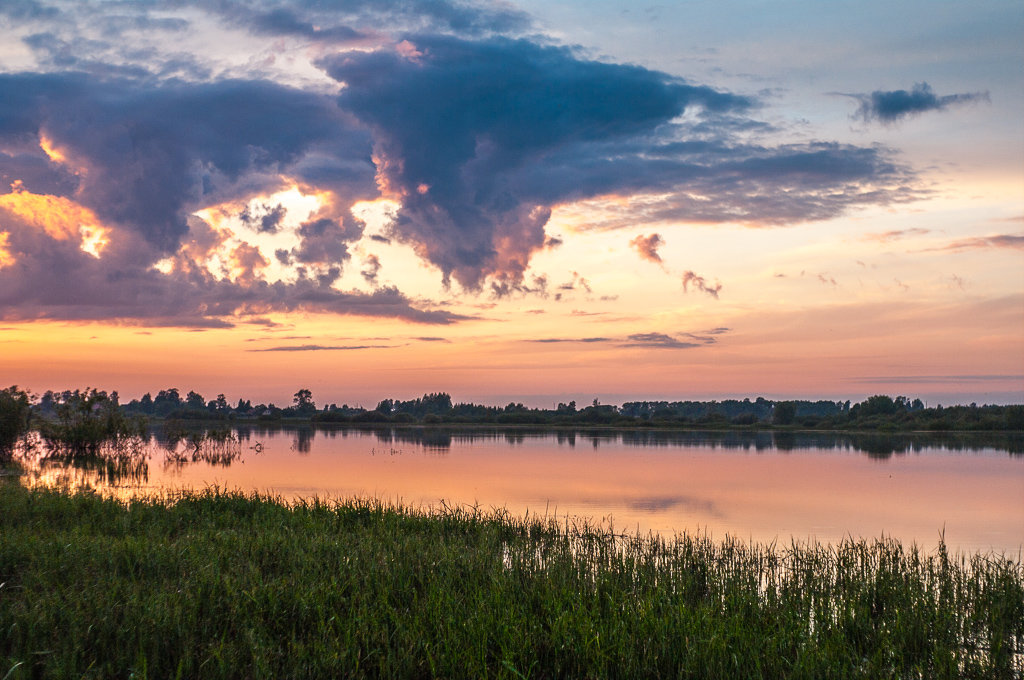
(701, 284)
(1010, 241)
(896, 234)
(890, 106)
(662, 341)
(475, 131)
(478, 139)
(318, 348)
(147, 155)
(932, 379)
(583, 340)
(268, 222)
(576, 282)
(647, 247)
(371, 266)
(50, 276)
(652, 340)
(335, 22)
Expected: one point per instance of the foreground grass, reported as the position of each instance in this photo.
(225, 585)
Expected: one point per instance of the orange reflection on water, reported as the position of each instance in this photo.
(974, 497)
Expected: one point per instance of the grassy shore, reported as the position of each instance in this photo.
(224, 585)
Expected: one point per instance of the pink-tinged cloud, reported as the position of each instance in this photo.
(896, 234)
(647, 247)
(51, 277)
(1011, 241)
(701, 284)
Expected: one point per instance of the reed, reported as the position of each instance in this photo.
(216, 584)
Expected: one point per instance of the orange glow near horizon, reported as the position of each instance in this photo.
(812, 311)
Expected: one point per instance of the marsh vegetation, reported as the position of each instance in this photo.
(225, 585)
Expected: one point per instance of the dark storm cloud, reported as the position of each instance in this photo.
(479, 139)
(152, 154)
(462, 128)
(33, 169)
(889, 106)
(286, 21)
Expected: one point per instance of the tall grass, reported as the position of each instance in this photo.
(217, 584)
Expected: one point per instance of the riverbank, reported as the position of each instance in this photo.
(224, 585)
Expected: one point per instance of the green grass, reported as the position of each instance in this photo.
(225, 585)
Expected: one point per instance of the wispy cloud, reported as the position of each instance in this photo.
(1011, 241)
(652, 340)
(931, 379)
(896, 234)
(664, 341)
(558, 340)
(701, 284)
(319, 348)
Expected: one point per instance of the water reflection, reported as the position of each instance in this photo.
(762, 485)
(125, 462)
(113, 463)
(875, 445)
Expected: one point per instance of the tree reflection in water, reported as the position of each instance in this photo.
(124, 461)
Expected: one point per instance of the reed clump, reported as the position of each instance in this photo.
(216, 584)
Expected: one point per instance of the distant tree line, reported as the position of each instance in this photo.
(874, 413)
(19, 411)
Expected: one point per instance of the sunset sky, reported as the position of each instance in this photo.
(530, 201)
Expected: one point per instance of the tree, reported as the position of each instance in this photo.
(784, 413)
(878, 405)
(14, 416)
(304, 402)
(194, 400)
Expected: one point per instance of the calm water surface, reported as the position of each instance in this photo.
(756, 486)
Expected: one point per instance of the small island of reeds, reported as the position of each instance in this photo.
(216, 584)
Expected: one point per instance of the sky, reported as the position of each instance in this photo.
(513, 201)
